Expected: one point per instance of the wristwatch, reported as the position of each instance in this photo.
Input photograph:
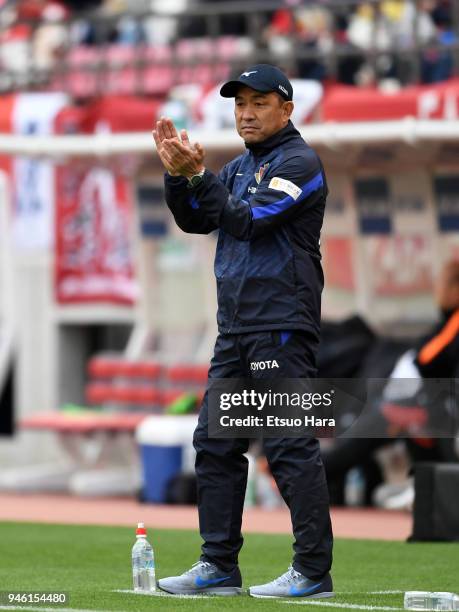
(194, 180)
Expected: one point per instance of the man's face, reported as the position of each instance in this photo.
(260, 115)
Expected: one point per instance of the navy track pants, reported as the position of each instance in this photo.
(296, 463)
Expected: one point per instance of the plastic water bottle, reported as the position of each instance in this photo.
(354, 488)
(424, 600)
(251, 491)
(143, 562)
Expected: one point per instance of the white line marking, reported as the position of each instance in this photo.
(164, 594)
(56, 607)
(159, 593)
(347, 606)
(369, 592)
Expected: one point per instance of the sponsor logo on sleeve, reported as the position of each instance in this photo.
(280, 184)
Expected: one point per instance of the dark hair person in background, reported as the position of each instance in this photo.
(436, 355)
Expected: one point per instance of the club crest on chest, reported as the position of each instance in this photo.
(261, 172)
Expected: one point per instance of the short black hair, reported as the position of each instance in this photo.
(280, 99)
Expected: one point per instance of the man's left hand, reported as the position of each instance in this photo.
(177, 154)
(186, 160)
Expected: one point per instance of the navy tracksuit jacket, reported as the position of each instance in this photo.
(268, 205)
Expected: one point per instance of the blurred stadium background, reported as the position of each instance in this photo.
(107, 310)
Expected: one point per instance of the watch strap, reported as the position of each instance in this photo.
(196, 178)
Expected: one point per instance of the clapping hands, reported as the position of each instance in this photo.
(178, 155)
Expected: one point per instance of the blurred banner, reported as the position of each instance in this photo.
(94, 219)
(32, 178)
(400, 265)
(95, 208)
(349, 103)
(337, 262)
(81, 212)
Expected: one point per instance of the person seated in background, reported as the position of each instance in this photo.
(437, 63)
(301, 29)
(436, 355)
(387, 27)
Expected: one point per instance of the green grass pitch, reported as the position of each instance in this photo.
(90, 563)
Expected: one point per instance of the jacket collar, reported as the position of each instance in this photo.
(266, 146)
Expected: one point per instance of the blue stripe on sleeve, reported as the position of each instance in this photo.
(258, 212)
(285, 335)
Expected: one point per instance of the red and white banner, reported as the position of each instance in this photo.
(338, 262)
(94, 218)
(95, 212)
(400, 265)
(84, 213)
(348, 103)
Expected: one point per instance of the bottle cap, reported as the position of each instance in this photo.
(141, 529)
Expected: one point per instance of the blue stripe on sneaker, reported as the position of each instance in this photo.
(259, 212)
(202, 582)
(294, 592)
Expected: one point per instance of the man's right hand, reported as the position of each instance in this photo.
(166, 130)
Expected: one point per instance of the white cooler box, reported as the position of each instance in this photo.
(166, 449)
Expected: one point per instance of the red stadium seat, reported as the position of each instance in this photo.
(110, 367)
(204, 48)
(185, 49)
(194, 49)
(139, 396)
(200, 374)
(83, 56)
(82, 77)
(122, 395)
(157, 74)
(187, 373)
(149, 369)
(117, 380)
(157, 80)
(221, 72)
(203, 74)
(226, 47)
(121, 75)
(147, 396)
(193, 54)
(156, 53)
(99, 394)
(184, 75)
(119, 56)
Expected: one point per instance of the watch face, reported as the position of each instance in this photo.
(195, 180)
